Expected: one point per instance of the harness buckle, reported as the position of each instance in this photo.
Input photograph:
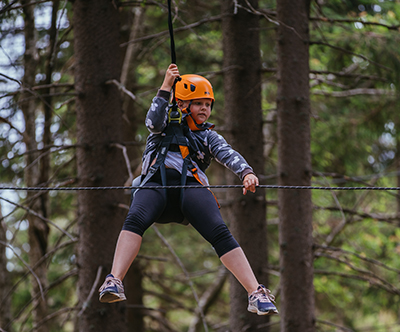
(175, 114)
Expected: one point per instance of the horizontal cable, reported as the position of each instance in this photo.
(193, 187)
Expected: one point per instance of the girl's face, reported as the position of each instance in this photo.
(200, 109)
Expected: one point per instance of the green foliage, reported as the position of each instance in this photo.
(354, 142)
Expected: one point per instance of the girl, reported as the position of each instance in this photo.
(198, 206)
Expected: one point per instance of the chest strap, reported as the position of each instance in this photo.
(174, 134)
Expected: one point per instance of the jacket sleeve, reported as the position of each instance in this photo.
(157, 115)
(227, 156)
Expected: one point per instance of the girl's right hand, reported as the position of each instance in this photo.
(171, 74)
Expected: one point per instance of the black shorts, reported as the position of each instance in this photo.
(197, 205)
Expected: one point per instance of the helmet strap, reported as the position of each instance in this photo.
(197, 126)
(193, 125)
(187, 110)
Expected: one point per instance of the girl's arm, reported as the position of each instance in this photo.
(156, 118)
(233, 160)
(171, 75)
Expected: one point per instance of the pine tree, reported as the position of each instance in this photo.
(294, 168)
(100, 163)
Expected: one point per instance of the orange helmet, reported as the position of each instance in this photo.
(193, 87)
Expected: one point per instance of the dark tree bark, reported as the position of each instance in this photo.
(47, 107)
(134, 278)
(398, 178)
(129, 106)
(294, 167)
(38, 230)
(100, 162)
(242, 89)
(398, 185)
(134, 292)
(5, 302)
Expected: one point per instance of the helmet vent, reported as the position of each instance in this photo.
(192, 87)
(185, 85)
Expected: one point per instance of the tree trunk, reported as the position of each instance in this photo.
(38, 229)
(134, 278)
(129, 106)
(5, 303)
(100, 162)
(47, 108)
(294, 168)
(398, 177)
(134, 292)
(242, 89)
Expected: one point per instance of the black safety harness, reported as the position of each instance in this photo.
(177, 135)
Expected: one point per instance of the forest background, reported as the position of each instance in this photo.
(57, 246)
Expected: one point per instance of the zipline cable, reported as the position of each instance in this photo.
(194, 187)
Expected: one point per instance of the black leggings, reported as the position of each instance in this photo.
(198, 206)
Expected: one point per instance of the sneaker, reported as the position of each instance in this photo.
(260, 302)
(112, 290)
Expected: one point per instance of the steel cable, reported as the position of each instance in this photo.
(194, 187)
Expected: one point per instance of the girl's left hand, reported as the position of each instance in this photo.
(250, 182)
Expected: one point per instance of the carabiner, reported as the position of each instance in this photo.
(175, 114)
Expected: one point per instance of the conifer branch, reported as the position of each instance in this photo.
(127, 162)
(166, 32)
(27, 266)
(366, 275)
(340, 327)
(209, 297)
(350, 52)
(61, 279)
(354, 92)
(362, 215)
(53, 315)
(186, 274)
(92, 290)
(30, 211)
(364, 258)
(345, 221)
(122, 88)
(352, 21)
(40, 261)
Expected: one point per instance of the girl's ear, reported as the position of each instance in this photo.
(180, 103)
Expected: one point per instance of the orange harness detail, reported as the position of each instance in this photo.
(177, 133)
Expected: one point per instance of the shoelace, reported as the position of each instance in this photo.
(110, 282)
(263, 294)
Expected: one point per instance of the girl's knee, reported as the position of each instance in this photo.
(223, 240)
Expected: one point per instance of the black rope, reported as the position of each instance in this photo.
(171, 33)
(195, 187)
(173, 53)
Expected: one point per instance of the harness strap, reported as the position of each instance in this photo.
(159, 163)
(174, 133)
(193, 169)
(174, 117)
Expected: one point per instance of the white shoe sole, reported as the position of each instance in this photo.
(111, 297)
(254, 310)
